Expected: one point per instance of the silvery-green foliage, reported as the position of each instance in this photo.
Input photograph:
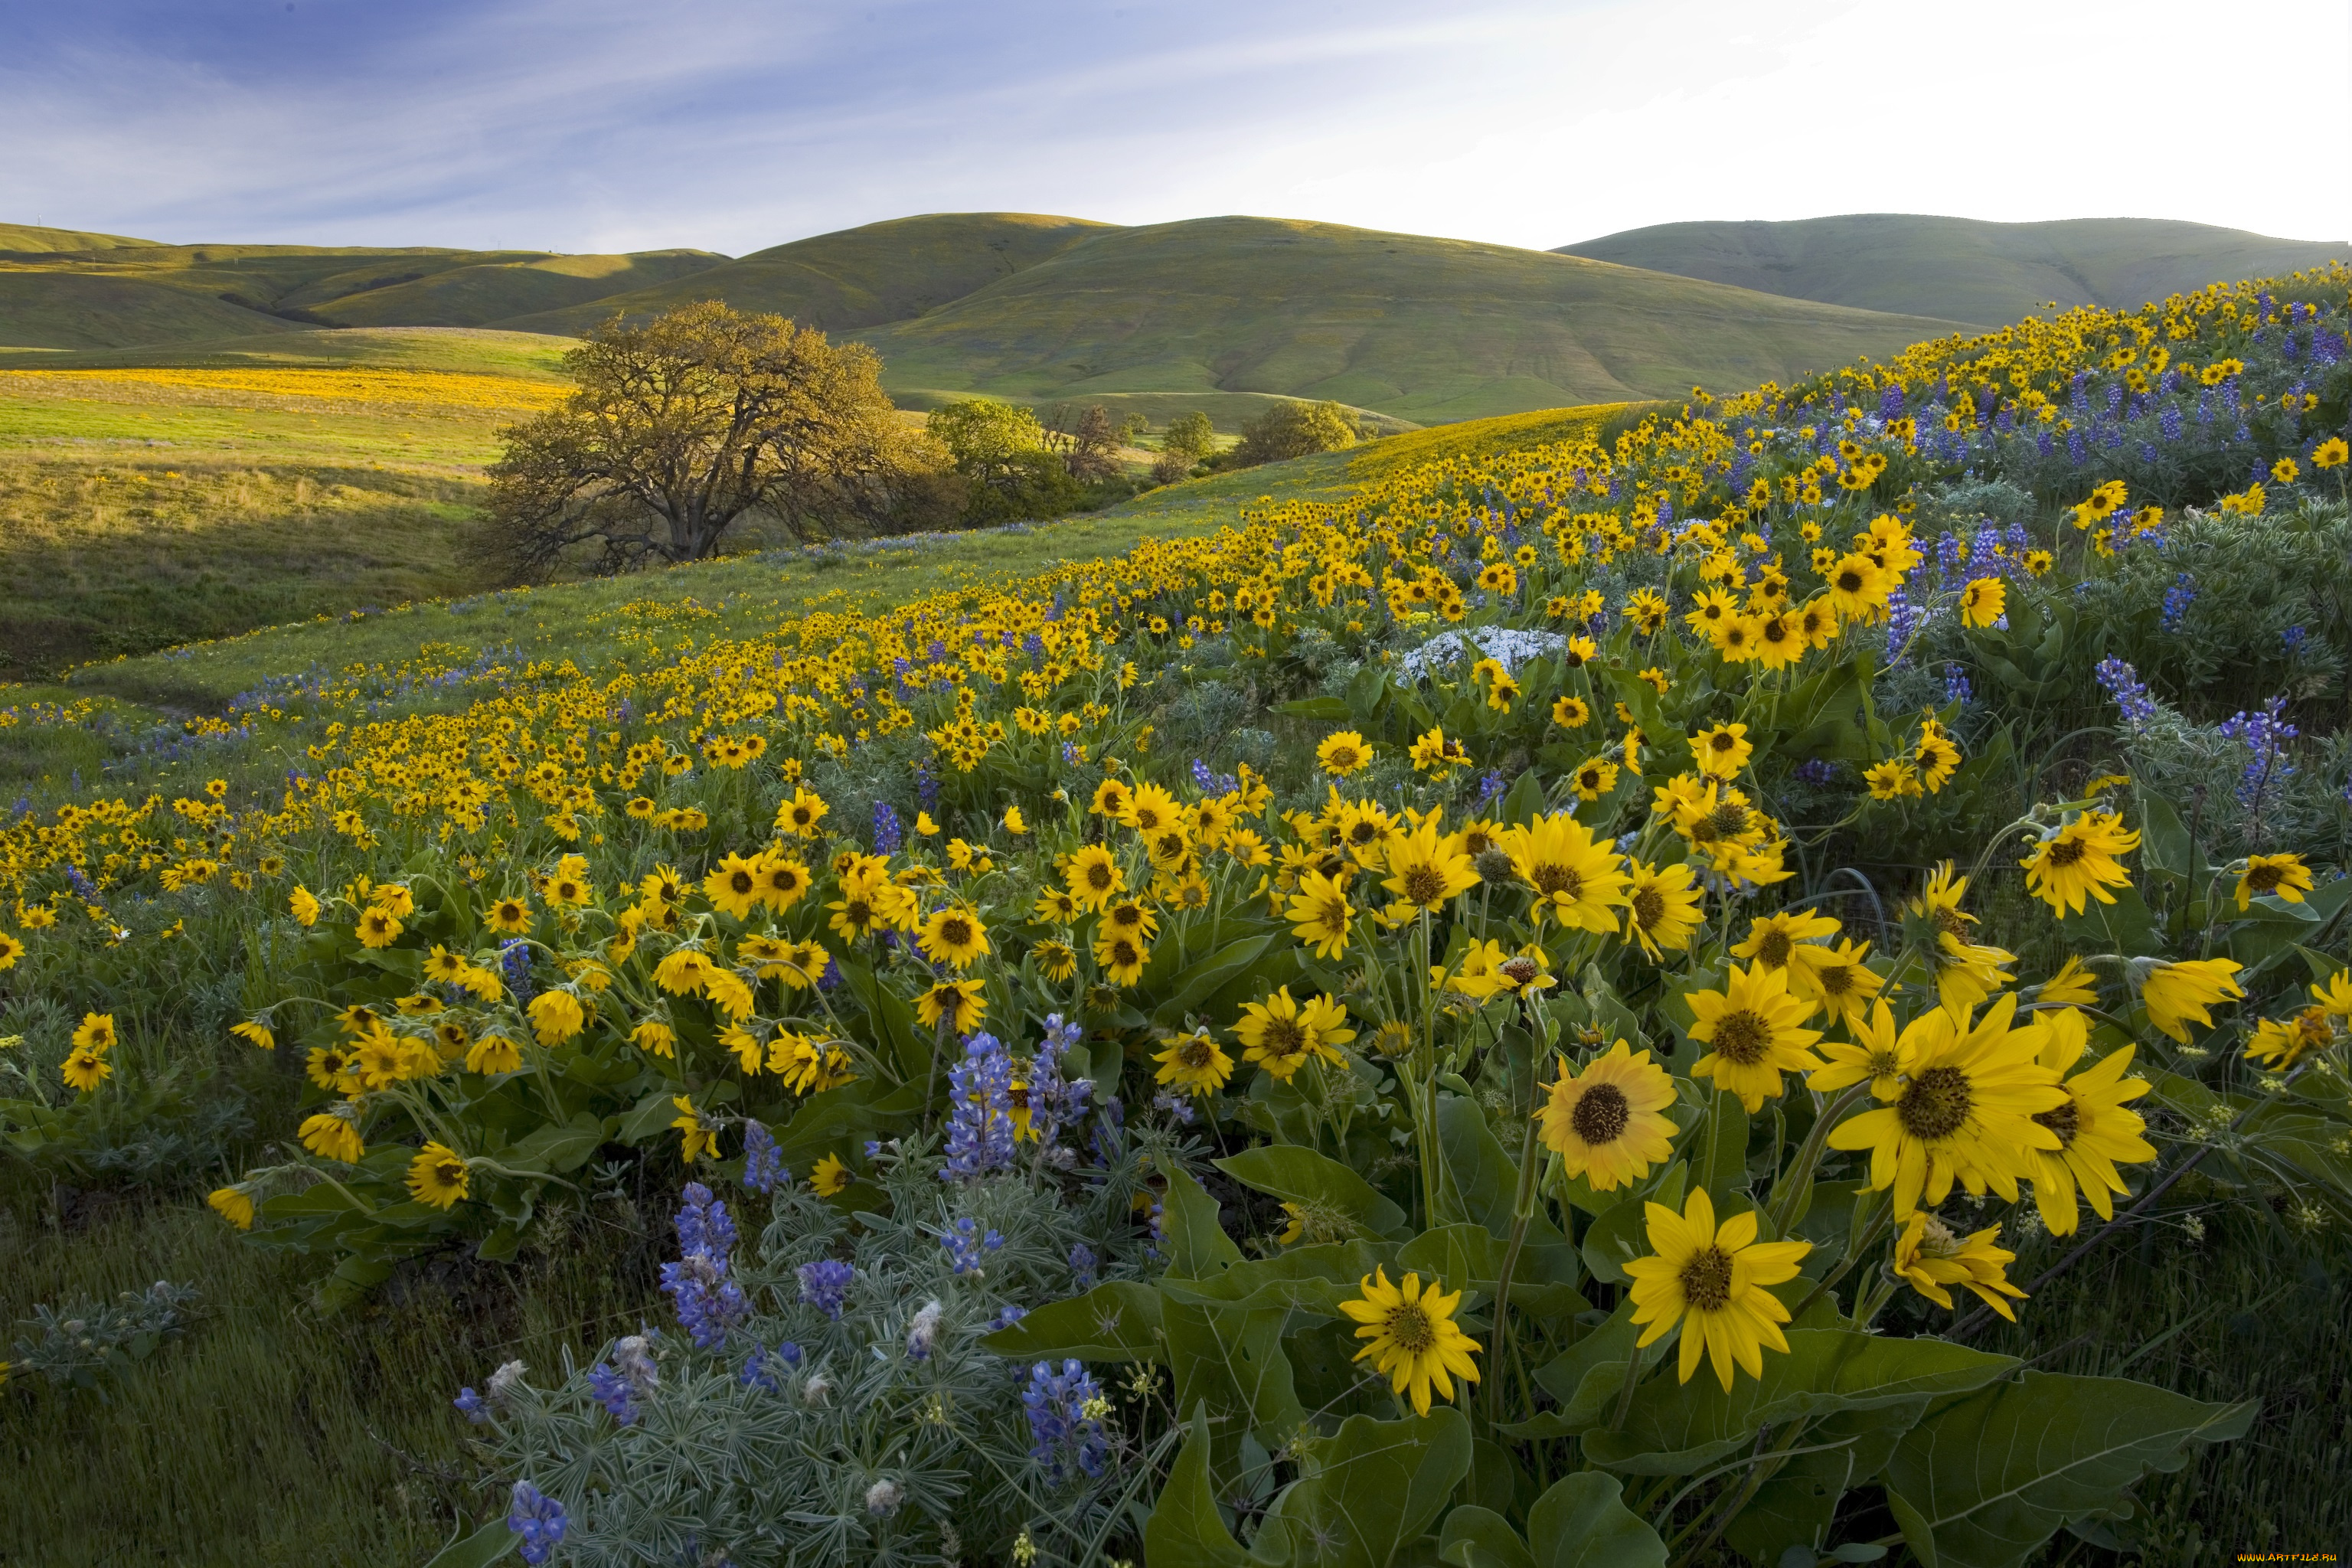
(888, 1435)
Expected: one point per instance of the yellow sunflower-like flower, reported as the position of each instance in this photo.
(232, 1204)
(830, 1177)
(556, 1016)
(959, 1002)
(1094, 875)
(257, 1031)
(1121, 957)
(953, 935)
(2078, 862)
(1280, 1034)
(2277, 1044)
(1877, 1053)
(1414, 1342)
(1607, 1123)
(95, 1032)
(493, 1053)
(2176, 994)
(1576, 881)
(378, 928)
(1838, 982)
(1343, 754)
(1929, 1255)
(1984, 602)
(698, 1137)
(1664, 906)
(1752, 1028)
(1785, 940)
(2095, 1131)
(1712, 1280)
(331, 1135)
(734, 885)
(1195, 1064)
(2284, 876)
(1056, 960)
(1321, 915)
(84, 1069)
(438, 1176)
(1965, 1112)
(1427, 871)
(1720, 753)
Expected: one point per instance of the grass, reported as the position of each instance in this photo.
(1426, 330)
(140, 509)
(1960, 269)
(525, 356)
(856, 278)
(270, 1436)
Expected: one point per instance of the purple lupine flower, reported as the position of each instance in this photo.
(967, 1245)
(2130, 694)
(537, 1518)
(763, 1163)
(472, 1405)
(824, 1285)
(514, 963)
(886, 832)
(2265, 736)
(2176, 600)
(1063, 1436)
(611, 1389)
(759, 1368)
(1083, 1264)
(979, 1120)
(1956, 683)
(707, 1301)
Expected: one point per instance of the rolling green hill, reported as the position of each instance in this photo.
(1426, 330)
(492, 291)
(27, 239)
(1958, 268)
(532, 356)
(856, 278)
(42, 310)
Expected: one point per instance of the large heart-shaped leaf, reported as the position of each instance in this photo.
(1678, 1429)
(1983, 1481)
(1371, 1493)
(1309, 1179)
(1118, 1319)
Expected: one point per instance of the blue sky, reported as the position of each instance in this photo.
(597, 125)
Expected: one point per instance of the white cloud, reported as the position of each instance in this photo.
(735, 124)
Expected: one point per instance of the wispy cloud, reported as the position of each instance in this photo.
(592, 124)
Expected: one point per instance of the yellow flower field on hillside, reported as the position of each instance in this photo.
(240, 388)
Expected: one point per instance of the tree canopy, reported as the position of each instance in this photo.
(683, 425)
(1291, 429)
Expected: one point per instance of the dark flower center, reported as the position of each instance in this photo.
(1706, 1279)
(1742, 1038)
(1648, 908)
(955, 932)
(2065, 1121)
(1560, 881)
(2066, 852)
(1285, 1037)
(1936, 1104)
(2264, 879)
(1775, 948)
(1601, 1116)
(1425, 884)
(1410, 1327)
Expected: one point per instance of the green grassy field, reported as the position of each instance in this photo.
(1427, 329)
(1958, 268)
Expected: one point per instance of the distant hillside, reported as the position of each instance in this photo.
(1426, 330)
(72, 310)
(136, 292)
(527, 356)
(856, 278)
(476, 295)
(1956, 268)
(25, 239)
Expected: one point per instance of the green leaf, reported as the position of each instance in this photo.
(1369, 1492)
(1485, 1179)
(1621, 1234)
(1985, 1481)
(1526, 802)
(479, 1549)
(557, 1149)
(1478, 1537)
(1678, 1429)
(1204, 980)
(1197, 1246)
(1718, 1150)
(1307, 1279)
(1185, 1530)
(1796, 1507)
(1309, 1179)
(1583, 1522)
(1230, 1359)
(1332, 709)
(1118, 1319)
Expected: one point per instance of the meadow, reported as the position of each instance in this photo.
(934, 1048)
